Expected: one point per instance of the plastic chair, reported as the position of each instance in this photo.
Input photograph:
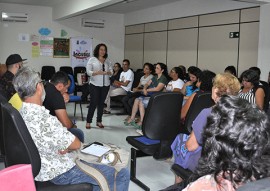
(74, 98)
(2, 151)
(78, 69)
(160, 127)
(47, 72)
(66, 69)
(21, 149)
(13, 177)
(201, 101)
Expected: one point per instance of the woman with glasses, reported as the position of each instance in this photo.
(99, 69)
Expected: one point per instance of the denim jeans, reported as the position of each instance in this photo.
(76, 176)
(78, 133)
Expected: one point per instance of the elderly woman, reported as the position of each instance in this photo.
(224, 84)
(252, 90)
(235, 139)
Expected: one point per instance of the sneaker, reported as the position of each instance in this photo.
(139, 131)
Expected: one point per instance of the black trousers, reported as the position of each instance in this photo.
(98, 95)
(128, 104)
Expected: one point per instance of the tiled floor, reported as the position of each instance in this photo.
(155, 174)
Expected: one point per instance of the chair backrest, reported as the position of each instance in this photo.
(266, 90)
(201, 101)
(47, 72)
(137, 77)
(67, 69)
(71, 87)
(78, 69)
(3, 100)
(162, 116)
(19, 145)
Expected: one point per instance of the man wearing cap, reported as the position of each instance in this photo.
(14, 62)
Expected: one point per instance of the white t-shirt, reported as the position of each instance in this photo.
(127, 76)
(174, 84)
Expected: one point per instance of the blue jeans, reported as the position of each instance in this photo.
(76, 176)
(78, 133)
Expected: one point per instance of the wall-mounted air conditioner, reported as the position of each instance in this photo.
(93, 23)
(15, 17)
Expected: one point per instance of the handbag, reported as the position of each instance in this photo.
(119, 160)
(183, 157)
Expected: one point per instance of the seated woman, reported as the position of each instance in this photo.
(156, 84)
(204, 83)
(224, 84)
(128, 100)
(235, 140)
(251, 90)
(190, 86)
(177, 83)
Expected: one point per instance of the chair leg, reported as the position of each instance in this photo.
(81, 110)
(75, 109)
(134, 154)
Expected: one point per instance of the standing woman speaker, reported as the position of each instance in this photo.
(99, 69)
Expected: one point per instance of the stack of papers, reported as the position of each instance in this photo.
(96, 150)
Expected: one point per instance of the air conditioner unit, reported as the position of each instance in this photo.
(93, 23)
(15, 17)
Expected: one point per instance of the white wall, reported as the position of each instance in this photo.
(182, 8)
(264, 42)
(112, 34)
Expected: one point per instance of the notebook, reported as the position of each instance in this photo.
(147, 141)
(96, 150)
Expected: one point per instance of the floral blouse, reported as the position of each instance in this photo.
(49, 137)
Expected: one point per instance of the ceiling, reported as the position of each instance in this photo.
(124, 7)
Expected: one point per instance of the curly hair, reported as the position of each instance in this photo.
(96, 50)
(235, 139)
(150, 66)
(206, 79)
(226, 84)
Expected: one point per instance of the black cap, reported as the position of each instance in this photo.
(13, 59)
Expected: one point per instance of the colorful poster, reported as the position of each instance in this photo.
(81, 50)
(35, 49)
(60, 48)
(46, 46)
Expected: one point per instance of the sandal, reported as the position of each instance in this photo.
(100, 125)
(88, 126)
(129, 123)
(106, 112)
(136, 125)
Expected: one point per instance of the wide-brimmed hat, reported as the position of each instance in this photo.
(13, 59)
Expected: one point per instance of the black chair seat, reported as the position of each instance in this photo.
(181, 172)
(147, 149)
(161, 122)
(48, 186)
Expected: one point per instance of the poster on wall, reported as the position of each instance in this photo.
(46, 46)
(81, 50)
(61, 48)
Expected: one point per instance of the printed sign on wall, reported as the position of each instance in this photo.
(81, 50)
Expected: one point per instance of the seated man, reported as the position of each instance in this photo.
(54, 142)
(14, 62)
(55, 102)
(120, 87)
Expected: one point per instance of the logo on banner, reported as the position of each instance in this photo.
(79, 54)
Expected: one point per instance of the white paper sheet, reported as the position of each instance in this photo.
(96, 150)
